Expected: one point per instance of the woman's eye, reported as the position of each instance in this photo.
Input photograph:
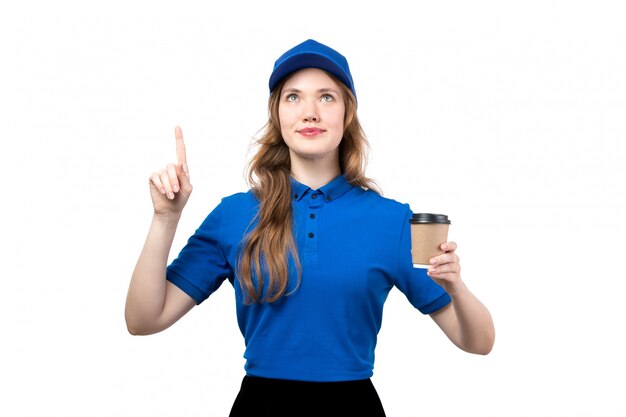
(327, 97)
(292, 97)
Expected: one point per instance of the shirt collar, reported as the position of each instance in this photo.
(331, 191)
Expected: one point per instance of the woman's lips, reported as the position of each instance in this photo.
(310, 131)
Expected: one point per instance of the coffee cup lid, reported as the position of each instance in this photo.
(421, 218)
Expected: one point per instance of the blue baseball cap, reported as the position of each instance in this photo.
(312, 54)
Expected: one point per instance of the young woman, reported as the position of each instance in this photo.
(312, 251)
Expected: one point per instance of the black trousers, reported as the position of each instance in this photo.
(280, 397)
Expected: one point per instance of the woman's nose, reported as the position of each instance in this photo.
(311, 117)
(310, 113)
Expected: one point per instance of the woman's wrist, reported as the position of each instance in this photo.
(166, 219)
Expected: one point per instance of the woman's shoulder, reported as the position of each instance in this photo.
(236, 204)
(241, 197)
(384, 203)
(379, 208)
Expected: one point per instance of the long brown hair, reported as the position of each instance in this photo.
(264, 262)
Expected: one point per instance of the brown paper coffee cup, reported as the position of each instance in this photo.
(428, 232)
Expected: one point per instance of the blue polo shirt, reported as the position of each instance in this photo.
(354, 247)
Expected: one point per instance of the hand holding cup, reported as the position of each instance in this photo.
(430, 249)
(445, 269)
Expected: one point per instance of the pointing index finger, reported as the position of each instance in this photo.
(181, 154)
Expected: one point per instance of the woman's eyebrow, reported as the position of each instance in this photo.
(291, 90)
(327, 90)
(321, 90)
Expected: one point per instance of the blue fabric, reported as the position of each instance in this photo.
(354, 247)
(312, 54)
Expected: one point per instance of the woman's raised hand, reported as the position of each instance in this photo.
(170, 187)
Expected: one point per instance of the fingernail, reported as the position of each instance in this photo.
(175, 188)
(170, 195)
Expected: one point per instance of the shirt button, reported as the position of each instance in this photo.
(295, 196)
(312, 215)
(311, 235)
(314, 196)
(328, 198)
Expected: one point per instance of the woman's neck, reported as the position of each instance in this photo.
(314, 173)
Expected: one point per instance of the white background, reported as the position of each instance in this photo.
(507, 116)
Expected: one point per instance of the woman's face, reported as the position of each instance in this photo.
(311, 112)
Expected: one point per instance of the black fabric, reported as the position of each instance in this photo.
(260, 397)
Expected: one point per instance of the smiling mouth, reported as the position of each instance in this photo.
(310, 131)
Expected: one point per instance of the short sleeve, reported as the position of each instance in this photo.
(201, 267)
(422, 292)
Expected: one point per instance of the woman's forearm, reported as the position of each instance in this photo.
(146, 294)
(475, 331)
